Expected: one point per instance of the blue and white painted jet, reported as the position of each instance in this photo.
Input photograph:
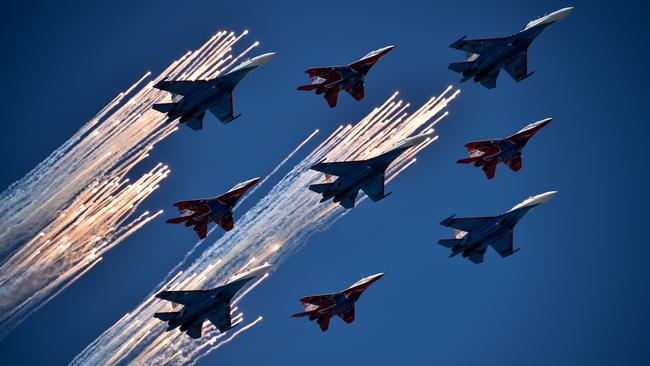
(486, 57)
(202, 305)
(475, 234)
(366, 175)
(192, 98)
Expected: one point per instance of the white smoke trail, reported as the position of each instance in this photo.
(272, 230)
(78, 203)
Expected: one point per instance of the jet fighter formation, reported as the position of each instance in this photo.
(330, 80)
(473, 235)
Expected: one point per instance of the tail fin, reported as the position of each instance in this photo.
(166, 316)
(460, 67)
(320, 188)
(164, 107)
(449, 243)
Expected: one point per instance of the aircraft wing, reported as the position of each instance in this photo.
(375, 189)
(201, 229)
(181, 87)
(514, 163)
(223, 109)
(347, 315)
(518, 67)
(477, 257)
(477, 45)
(195, 123)
(226, 223)
(349, 201)
(467, 224)
(490, 169)
(332, 97)
(356, 91)
(490, 81)
(182, 297)
(504, 244)
(340, 168)
(223, 322)
(195, 331)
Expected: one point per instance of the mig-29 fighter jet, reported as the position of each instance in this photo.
(323, 307)
(199, 213)
(487, 154)
(330, 80)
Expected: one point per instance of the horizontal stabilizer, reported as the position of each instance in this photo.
(449, 243)
(468, 160)
(166, 316)
(164, 107)
(460, 67)
(320, 188)
(300, 315)
(178, 220)
(309, 87)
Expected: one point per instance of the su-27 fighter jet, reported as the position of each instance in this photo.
(330, 80)
(323, 307)
(192, 98)
(365, 175)
(486, 57)
(199, 213)
(489, 153)
(475, 234)
(202, 305)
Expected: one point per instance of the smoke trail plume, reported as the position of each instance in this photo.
(78, 203)
(272, 230)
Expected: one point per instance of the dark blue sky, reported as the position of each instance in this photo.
(576, 293)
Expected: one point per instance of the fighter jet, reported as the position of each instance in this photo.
(330, 80)
(489, 153)
(199, 213)
(486, 57)
(475, 234)
(202, 305)
(192, 98)
(365, 175)
(323, 307)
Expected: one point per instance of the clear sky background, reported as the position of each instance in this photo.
(576, 293)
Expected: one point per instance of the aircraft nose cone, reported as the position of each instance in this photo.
(415, 140)
(541, 198)
(262, 59)
(560, 14)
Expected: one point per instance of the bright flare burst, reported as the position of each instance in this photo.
(67, 212)
(272, 230)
